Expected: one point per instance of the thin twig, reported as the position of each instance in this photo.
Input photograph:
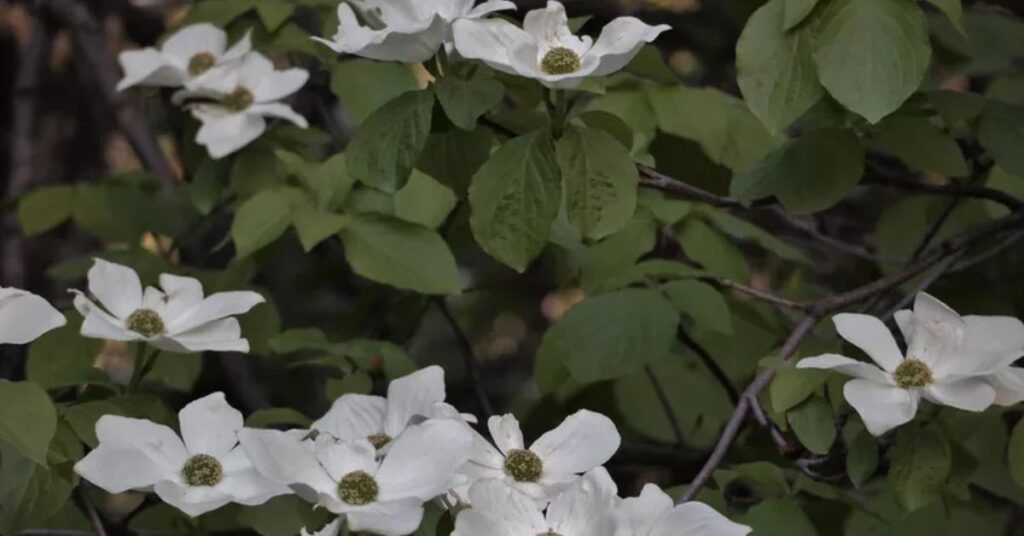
(90, 510)
(710, 363)
(988, 254)
(653, 178)
(666, 404)
(469, 358)
(956, 190)
(759, 294)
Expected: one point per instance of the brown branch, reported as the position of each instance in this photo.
(759, 294)
(953, 189)
(469, 358)
(653, 178)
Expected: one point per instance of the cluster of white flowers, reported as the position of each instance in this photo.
(961, 362)
(230, 90)
(376, 461)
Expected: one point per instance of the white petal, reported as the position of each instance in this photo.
(250, 487)
(279, 110)
(238, 50)
(225, 134)
(991, 343)
(25, 316)
(215, 307)
(195, 39)
(331, 529)
(117, 287)
(881, 407)
(281, 457)
(210, 426)
(520, 512)
(473, 522)
(224, 335)
(99, 324)
(905, 320)
(488, 7)
(414, 395)
(549, 27)
(421, 462)
(643, 511)
(870, 335)
(620, 41)
(938, 335)
(388, 519)
(193, 500)
(412, 42)
(583, 441)
(353, 416)
(490, 41)
(970, 394)
(279, 84)
(845, 365)
(340, 458)
(118, 469)
(506, 433)
(181, 294)
(586, 507)
(158, 442)
(1008, 384)
(148, 67)
(697, 519)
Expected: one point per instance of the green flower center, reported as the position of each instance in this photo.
(200, 63)
(379, 441)
(145, 322)
(239, 99)
(524, 466)
(560, 60)
(202, 470)
(913, 373)
(358, 488)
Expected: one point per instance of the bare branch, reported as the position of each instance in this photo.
(469, 358)
(957, 190)
(666, 404)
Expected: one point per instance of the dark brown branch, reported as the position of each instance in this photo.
(469, 358)
(710, 363)
(958, 190)
(759, 294)
(666, 404)
(653, 178)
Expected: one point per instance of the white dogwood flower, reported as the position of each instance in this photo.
(176, 319)
(654, 513)
(583, 441)
(201, 471)
(587, 508)
(185, 58)
(546, 49)
(948, 361)
(383, 496)
(24, 317)
(409, 31)
(235, 100)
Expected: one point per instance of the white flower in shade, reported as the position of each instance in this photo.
(176, 319)
(546, 49)
(24, 316)
(201, 471)
(583, 441)
(949, 361)
(383, 496)
(185, 58)
(1008, 384)
(587, 508)
(654, 513)
(331, 529)
(235, 100)
(409, 31)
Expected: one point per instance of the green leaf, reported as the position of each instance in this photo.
(515, 198)
(814, 425)
(953, 9)
(775, 71)
(721, 124)
(363, 86)
(28, 419)
(743, 230)
(872, 54)
(861, 458)
(779, 518)
(1015, 453)
(921, 461)
(466, 100)
(791, 386)
(265, 418)
(63, 358)
(764, 479)
(702, 302)
(453, 157)
(920, 144)
(713, 251)
(383, 152)
(612, 258)
(281, 516)
(610, 123)
(808, 174)
(46, 208)
(795, 12)
(82, 418)
(600, 181)
(1001, 133)
(295, 340)
(219, 13)
(330, 181)
(30, 493)
(314, 226)
(273, 13)
(400, 254)
(425, 201)
(956, 107)
(262, 218)
(357, 382)
(611, 335)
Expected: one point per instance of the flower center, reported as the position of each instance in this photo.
(913, 373)
(145, 322)
(560, 60)
(200, 63)
(239, 99)
(202, 470)
(358, 488)
(379, 441)
(524, 466)
(549, 533)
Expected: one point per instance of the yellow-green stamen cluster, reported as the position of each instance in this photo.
(913, 373)
(379, 441)
(200, 63)
(560, 60)
(145, 322)
(524, 466)
(358, 488)
(239, 99)
(202, 470)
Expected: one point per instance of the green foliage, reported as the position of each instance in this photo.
(28, 419)
(389, 142)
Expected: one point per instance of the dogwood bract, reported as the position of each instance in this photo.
(201, 471)
(24, 317)
(654, 513)
(584, 509)
(409, 31)
(948, 361)
(583, 441)
(236, 99)
(546, 49)
(384, 496)
(185, 58)
(176, 319)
